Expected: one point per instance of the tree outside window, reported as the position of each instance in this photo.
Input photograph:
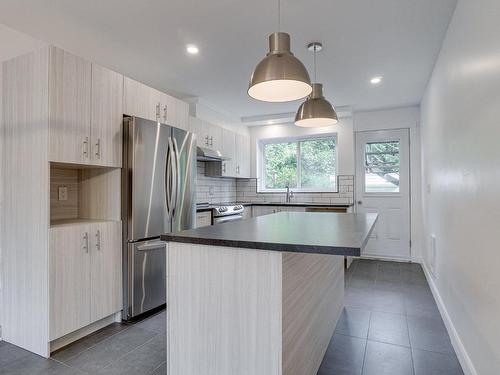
(303, 164)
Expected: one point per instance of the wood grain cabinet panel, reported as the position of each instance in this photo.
(69, 279)
(106, 117)
(141, 101)
(106, 269)
(69, 107)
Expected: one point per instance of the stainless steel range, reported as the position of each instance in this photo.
(227, 213)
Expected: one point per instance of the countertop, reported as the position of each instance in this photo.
(299, 232)
(292, 204)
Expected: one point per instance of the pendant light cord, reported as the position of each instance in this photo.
(279, 15)
(315, 80)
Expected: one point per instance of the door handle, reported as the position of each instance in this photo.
(158, 111)
(98, 240)
(86, 242)
(86, 147)
(169, 178)
(177, 177)
(98, 146)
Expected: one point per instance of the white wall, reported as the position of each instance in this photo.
(345, 140)
(203, 110)
(461, 182)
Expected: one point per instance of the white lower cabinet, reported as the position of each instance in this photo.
(85, 275)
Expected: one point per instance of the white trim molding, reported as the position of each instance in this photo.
(462, 355)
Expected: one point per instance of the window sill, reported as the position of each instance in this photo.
(295, 191)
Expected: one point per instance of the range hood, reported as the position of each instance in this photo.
(207, 154)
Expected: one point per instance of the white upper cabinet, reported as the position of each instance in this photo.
(69, 107)
(242, 156)
(228, 150)
(106, 117)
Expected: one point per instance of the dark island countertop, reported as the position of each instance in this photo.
(278, 204)
(300, 232)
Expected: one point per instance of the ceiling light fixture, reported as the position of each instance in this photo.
(316, 111)
(192, 49)
(376, 80)
(280, 76)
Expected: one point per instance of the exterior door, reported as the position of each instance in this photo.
(383, 187)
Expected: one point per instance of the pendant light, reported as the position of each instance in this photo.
(280, 76)
(316, 111)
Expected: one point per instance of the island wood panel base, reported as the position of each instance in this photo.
(243, 311)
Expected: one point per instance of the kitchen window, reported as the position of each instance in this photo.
(303, 164)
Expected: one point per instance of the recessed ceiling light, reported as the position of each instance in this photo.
(376, 80)
(192, 49)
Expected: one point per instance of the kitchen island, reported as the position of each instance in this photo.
(259, 296)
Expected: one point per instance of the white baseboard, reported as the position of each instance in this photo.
(463, 357)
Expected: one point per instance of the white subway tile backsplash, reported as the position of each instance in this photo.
(217, 190)
(246, 190)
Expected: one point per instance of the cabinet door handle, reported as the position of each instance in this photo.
(165, 113)
(98, 148)
(98, 240)
(86, 147)
(86, 242)
(238, 169)
(158, 111)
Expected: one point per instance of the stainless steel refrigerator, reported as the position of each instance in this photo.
(158, 194)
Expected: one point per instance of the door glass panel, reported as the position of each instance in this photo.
(382, 167)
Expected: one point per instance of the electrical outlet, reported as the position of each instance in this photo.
(211, 190)
(63, 193)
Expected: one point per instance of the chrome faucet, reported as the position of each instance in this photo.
(289, 193)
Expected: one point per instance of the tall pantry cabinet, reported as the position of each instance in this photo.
(60, 228)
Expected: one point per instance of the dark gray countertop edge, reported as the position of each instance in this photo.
(280, 204)
(295, 248)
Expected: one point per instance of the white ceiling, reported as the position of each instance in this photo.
(399, 39)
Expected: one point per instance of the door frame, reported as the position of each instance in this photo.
(410, 205)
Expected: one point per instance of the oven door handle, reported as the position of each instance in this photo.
(225, 219)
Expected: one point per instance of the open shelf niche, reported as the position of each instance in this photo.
(84, 194)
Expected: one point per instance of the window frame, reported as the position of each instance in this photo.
(381, 193)
(262, 165)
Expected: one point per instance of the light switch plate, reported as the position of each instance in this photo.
(63, 193)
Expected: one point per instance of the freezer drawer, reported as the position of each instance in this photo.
(147, 276)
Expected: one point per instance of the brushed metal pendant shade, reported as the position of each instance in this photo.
(280, 76)
(316, 111)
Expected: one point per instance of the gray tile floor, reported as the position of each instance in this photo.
(390, 325)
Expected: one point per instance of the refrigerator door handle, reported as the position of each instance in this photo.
(177, 180)
(172, 178)
(168, 179)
